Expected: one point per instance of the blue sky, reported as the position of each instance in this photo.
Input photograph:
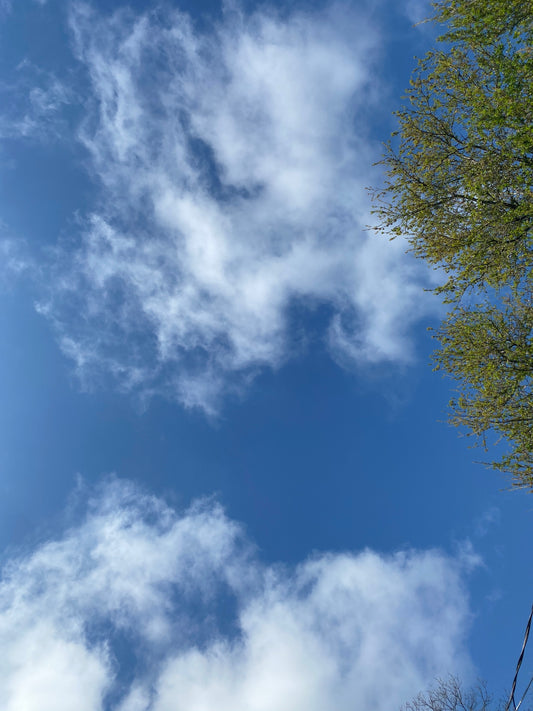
(226, 478)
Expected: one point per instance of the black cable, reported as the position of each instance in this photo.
(524, 694)
(518, 665)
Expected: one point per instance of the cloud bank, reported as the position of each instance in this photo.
(233, 161)
(139, 608)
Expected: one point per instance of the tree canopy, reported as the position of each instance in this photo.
(460, 187)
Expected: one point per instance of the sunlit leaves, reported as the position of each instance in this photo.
(460, 186)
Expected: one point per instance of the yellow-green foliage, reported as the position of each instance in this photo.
(460, 186)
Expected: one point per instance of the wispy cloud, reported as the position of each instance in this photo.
(15, 259)
(419, 10)
(207, 625)
(488, 519)
(233, 163)
(32, 104)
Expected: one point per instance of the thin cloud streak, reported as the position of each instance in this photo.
(209, 626)
(15, 260)
(233, 163)
(33, 105)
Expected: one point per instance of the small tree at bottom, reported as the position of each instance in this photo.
(450, 695)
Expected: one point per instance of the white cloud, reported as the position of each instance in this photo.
(209, 626)
(233, 163)
(418, 11)
(32, 104)
(490, 518)
(14, 259)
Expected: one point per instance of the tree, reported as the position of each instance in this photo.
(449, 695)
(460, 186)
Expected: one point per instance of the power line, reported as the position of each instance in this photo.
(518, 665)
